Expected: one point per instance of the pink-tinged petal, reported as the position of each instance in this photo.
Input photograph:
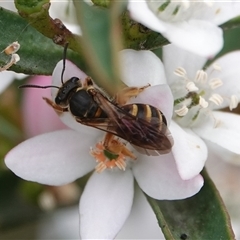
(71, 70)
(38, 116)
(175, 57)
(159, 178)
(54, 158)
(139, 68)
(141, 13)
(141, 223)
(229, 74)
(105, 204)
(189, 151)
(200, 37)
(223, 130)
(159, 96)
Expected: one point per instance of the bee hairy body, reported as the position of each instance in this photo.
(88, 107)
(142, 125)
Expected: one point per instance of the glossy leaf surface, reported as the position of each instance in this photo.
(202, 216)
(38, 54)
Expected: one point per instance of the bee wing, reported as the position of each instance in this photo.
(104, 124)
(151, 135)
(145, 137)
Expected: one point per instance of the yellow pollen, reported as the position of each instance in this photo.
(12, 48)
(113, 157)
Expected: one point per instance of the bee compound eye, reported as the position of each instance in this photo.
(58, 100)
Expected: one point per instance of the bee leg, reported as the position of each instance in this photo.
(115, 146)
(125, 151)
(87, 82)
(107, 139)
(57, 108)
(126, 93)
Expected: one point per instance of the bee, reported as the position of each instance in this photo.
(142, 125)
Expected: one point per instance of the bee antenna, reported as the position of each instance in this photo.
(64, 60)
(37, 86)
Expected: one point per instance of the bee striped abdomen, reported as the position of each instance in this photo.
(147, 113)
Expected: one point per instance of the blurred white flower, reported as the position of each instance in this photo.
(7, 77)
(63, 10)
(191, 25)
(8, 5)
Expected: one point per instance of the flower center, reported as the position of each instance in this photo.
(113, 156)
(173, 11)
(194, 99)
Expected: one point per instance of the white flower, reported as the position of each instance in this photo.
(63, 223)
(192, 25)
(218, 86)
(63, 156)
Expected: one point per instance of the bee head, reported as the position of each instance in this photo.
(66, 90)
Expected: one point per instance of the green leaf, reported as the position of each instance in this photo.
(38, 54)
(202, 216)
(102, 3)
(15, 209)
(37, 14)
(101, 42)
(233, 23)
(139, 37)
(10, 121)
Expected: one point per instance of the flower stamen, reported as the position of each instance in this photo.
(14, 59)
(112, 156)
(197, 97)
(202, 102)
(217, 67)
(217, 99)
(201, 77)
(182, 111)
(12, 48)
(233, 102)
(181, 72)
(191, 87)
(215, 83)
